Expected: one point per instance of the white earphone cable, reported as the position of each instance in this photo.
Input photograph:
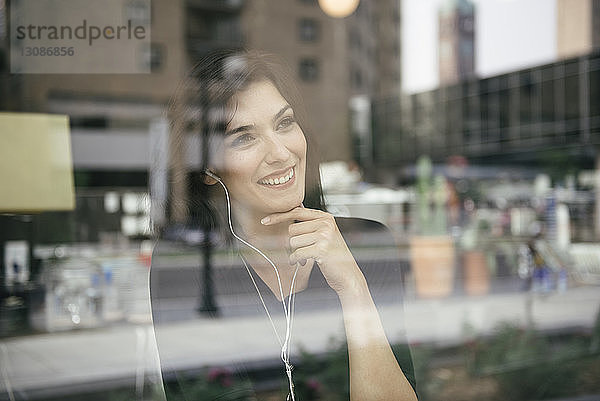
(263, 302)
(288, 310)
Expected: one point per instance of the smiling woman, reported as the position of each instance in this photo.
(279, 236)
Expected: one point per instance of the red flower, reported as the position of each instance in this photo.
(313, 384)
(221, 376)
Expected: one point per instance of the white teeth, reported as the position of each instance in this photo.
(280, 180)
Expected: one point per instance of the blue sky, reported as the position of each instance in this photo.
(510, 34)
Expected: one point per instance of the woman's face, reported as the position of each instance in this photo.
(264, 152)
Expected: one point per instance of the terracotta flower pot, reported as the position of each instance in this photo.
(432, 261)
(476, 273)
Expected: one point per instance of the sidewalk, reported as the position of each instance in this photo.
(67, 362)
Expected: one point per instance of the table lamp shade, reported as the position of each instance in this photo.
(36, 169)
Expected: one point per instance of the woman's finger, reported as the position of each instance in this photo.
(304, 227)
(303, 240)
(305, 253)
(298, 213)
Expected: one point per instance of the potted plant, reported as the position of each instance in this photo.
(432, 249)
(475, 245)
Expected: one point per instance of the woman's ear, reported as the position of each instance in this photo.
(210, 178)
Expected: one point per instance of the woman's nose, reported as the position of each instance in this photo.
(277, 150)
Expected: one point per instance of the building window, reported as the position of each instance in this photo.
(308, 30)
(138, 11)
(595, 93)
(3, 17)
(157, 57)
(355, 39)
(213, 27)
(154, 56)
(467, 24)
(357, 80)
(308, 69)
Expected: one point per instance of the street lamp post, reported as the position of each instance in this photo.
(208, 305)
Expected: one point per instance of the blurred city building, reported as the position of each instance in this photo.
(386, 64)
(349, 69)
(374, 36)
(515, 117)
(578, 27)
(456, 44)
(112, 116)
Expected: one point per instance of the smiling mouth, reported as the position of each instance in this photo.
(283, 179)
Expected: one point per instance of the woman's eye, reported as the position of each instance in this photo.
(286, 122)
(242, 140)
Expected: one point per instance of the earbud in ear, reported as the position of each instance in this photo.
(212, 175)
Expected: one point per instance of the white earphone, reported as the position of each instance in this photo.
(212, 175)
(288, 310)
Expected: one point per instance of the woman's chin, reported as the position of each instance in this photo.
(285, 206)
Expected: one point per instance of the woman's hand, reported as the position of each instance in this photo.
(374, 371)
(314, 235)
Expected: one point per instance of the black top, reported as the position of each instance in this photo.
(177, 293)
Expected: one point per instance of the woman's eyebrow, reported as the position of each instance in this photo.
(249, 127)
(239, 129)
(280, 112)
